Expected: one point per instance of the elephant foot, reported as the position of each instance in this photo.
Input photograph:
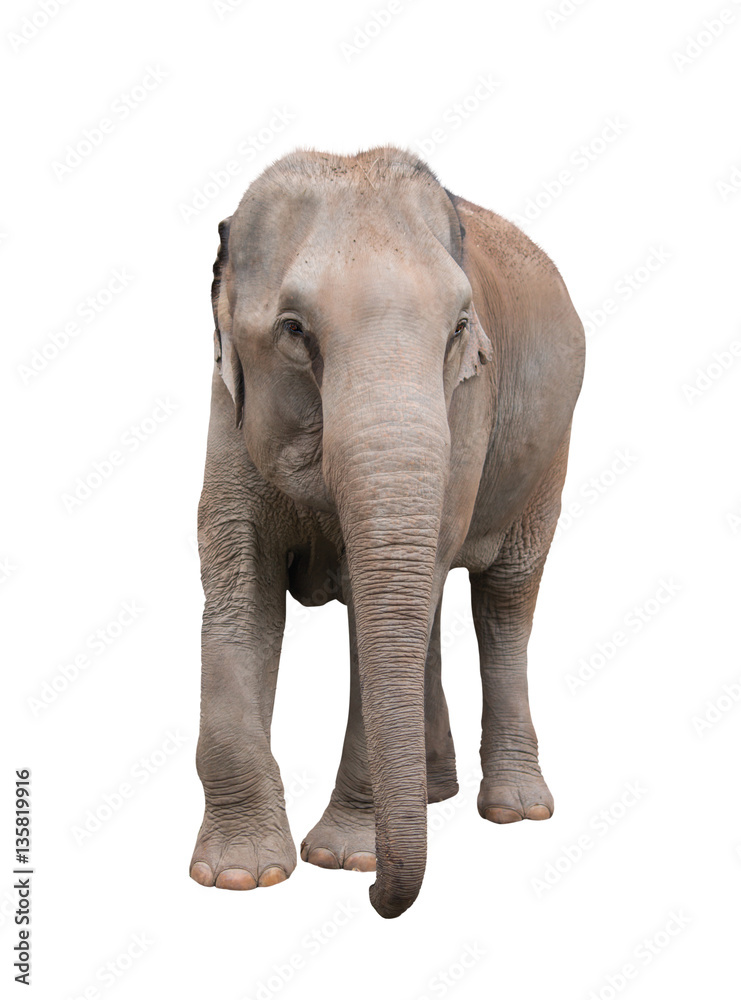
(345, 837)
(509, 798)
(238, 853)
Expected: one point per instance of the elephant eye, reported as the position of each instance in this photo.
(293, 327)
(461, 327)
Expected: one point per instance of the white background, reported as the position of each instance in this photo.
(669, 512)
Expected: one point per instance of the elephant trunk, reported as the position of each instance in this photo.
(386, 455)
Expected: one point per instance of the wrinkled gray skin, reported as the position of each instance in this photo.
(396, 374)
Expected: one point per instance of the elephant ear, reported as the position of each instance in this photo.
(478, 349)
(225, 354)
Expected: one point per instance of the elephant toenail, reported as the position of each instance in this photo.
(235, 878)
(500, 814)
(361, 861)
(202, 873)
(272, 876)
(323, 858)
(538, 811)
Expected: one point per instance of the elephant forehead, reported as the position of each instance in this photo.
(359, 279)
(305, 209)
(333, 278)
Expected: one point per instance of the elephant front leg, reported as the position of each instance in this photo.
(345, 836)
(244, 840)
(513, 787)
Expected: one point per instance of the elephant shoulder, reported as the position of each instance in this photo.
(538, 341)
(523, 297)
(491, 241)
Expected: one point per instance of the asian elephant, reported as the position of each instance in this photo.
(396, 371)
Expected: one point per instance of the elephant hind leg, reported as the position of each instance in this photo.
(503, 602)
(442, 782)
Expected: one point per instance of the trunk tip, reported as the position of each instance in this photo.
(386, 905)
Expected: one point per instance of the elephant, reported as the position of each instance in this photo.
(395, 376)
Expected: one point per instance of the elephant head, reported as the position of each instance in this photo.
(344, 325)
